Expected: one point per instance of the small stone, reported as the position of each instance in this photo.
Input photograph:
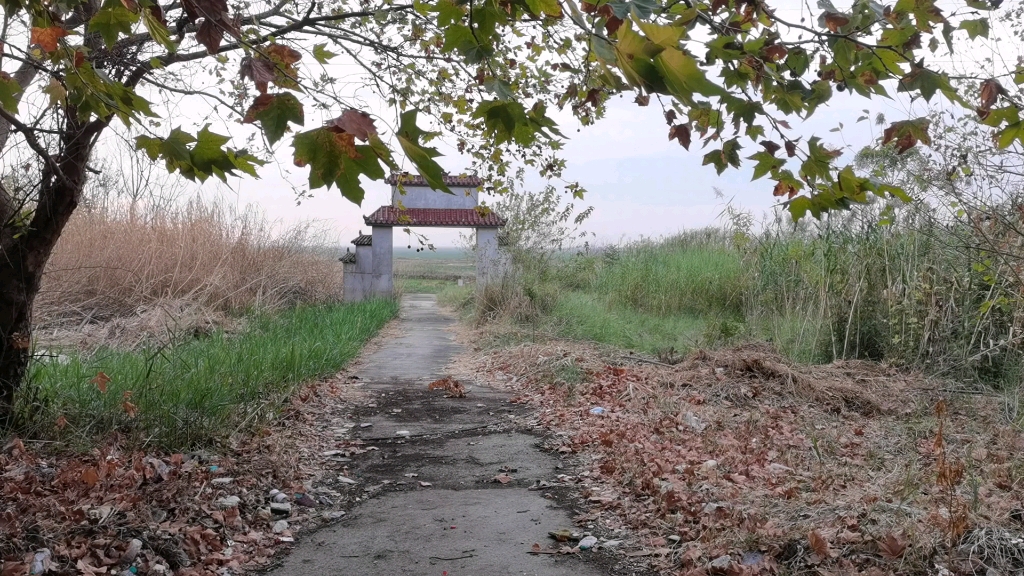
(274, 492)
(264, 513)
(281, 508)
(674, 538)
(587, 543)
(721, 564)
(279, 526)
(222, 481)
(346, 480)
(335, 515)
(403, 433)
(612, 544)
(158, 569)
(366, 424)
(280, 497)
(751, 558)
(229, 502)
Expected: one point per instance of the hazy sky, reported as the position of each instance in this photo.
(639, 182)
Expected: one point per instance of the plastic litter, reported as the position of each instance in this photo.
(588, 542)
(598, 410)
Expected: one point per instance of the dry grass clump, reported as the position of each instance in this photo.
(762, 466)
(189, 266)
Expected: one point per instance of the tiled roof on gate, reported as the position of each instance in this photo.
(440, 217)
(449, 180)
(348, 258)
(363, 240)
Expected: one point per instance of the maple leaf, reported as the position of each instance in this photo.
(113, 20)
(47, 37)
(210, 34)
(775, 52)
(680, 132)
(819, 545)
(907, 133)
(834, 21)
(283, 54)
(892, 547)
(61, 422)
(274, 112)
(101, 380)
(991, 90)
(9, 88)
(356, 123)
(214, 9)
(260, 70)
(90, 476)
(790, 148)
(770, 147)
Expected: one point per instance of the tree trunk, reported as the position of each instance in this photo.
(19, 284)
(26, 249)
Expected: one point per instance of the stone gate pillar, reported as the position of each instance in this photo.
(488, 260)
(381, 267)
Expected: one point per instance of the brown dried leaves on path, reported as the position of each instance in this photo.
(86, 509)
(755, 463)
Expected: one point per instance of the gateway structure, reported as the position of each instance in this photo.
(369, 270)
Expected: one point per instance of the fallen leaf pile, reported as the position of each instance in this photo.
(196, 514)
(738, 462)
(452, 387)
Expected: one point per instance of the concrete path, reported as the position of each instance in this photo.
(462, 524)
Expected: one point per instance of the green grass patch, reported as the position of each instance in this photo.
(586, 317)
(673, 278)
(198, 392)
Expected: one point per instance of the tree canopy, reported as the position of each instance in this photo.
(730, 73)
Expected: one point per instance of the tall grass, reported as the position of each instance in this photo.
(923, 292)
(939, 294)
(198, 392)
(111, 260)
(675, 277)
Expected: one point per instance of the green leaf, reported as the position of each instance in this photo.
(450, 12)
(112, 20)
(727, 156)
(549, 7)
(1010, 133)
(55, 90)
(975, 28)
(409, 135)
(321, 54)
(158, 30)
(9, 89)
(683, 76)
(665, 36)
(198, 158)
(765, 163)
(274, 112)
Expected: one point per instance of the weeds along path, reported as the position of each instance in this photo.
(440, 485)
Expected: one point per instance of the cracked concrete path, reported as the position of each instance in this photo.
(461, 524)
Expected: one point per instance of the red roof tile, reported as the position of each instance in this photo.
(449, 180)
(454, 217)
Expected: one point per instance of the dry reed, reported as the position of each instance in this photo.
(115, 263)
